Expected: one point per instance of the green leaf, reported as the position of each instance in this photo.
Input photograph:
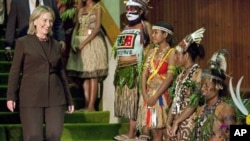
(194, 100)
(68, 14)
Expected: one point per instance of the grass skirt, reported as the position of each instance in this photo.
(89, 62)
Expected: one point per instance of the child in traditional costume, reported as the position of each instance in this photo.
(158, 66)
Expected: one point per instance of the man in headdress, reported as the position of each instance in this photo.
(129, 48)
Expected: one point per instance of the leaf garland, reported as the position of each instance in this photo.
(171, 89)
(195, 94)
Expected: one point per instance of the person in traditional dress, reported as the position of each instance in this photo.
(159, 65)
(88, 56)
(215, 116)
(180, 121)
(129, 51)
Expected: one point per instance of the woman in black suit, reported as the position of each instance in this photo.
(43, 89)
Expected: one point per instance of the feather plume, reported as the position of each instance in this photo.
(236, 97)
(218, 60)
(195, 36)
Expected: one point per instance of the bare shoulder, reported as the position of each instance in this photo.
(172, 53)
(197, 75)
(225, 109)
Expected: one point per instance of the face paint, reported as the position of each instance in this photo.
(132, 17)
(132, 12)
(132, 9)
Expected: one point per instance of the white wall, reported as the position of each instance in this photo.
(115, 8)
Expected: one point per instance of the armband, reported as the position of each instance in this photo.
(171, 69)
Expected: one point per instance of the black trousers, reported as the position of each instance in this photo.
(33, 118)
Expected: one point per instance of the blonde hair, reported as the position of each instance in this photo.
(40, 10)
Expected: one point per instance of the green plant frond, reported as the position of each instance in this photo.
(194, 99)
(68, 14)
(114, 50)
(190, 84)
(239, 115)
(177, 70)
(65, 2)
(171, 91)
(193, 134)
(207, 128)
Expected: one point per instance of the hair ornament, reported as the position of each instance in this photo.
(195, 36)
(218, 63)
(218, 60)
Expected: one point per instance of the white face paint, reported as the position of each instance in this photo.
(132, 12)
(132, 17)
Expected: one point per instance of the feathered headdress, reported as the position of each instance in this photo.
(217, 62)
(196, 37)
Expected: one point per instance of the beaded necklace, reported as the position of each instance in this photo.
(206, 115)
(180, 88)
(154, 70)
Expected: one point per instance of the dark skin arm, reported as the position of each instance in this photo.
(144, 80)
(170, 119)
(226, 115)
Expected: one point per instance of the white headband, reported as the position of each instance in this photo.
(163, 29)
(132, 3)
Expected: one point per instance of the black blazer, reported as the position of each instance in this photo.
(18, 18)
(43, 81)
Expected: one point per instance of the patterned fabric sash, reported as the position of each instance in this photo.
(155, 71)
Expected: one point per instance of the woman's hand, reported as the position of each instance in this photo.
(168, 130)
(174, 129)
(71, 109)
(82, 45)
(11, 105)
(151, 101)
